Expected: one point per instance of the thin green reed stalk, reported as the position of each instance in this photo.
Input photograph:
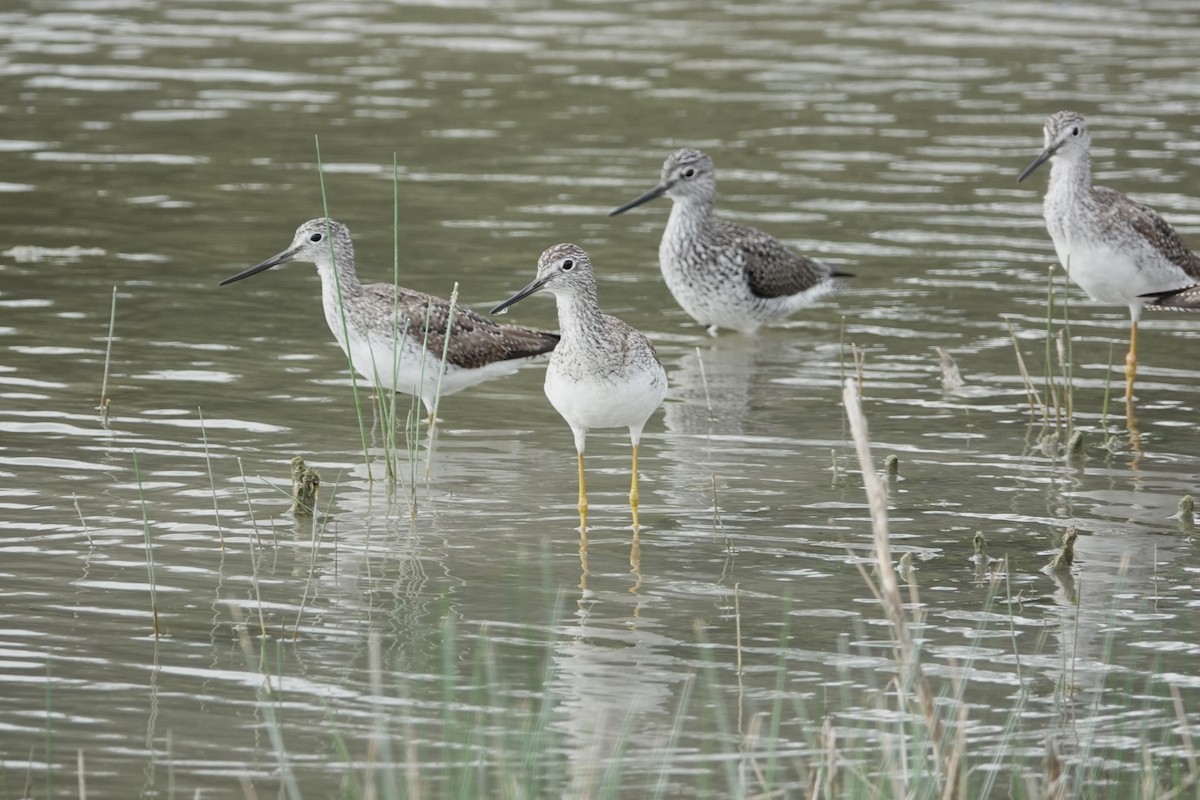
(683, 699)
(262, 625)
(1068, 356)
(112, 323)
(385, 396)
(437, 390)
(1107, 391)
(842, 350)
(289, 787)
(437, 393)
(149, 548)
(1051, 388)
(379, 733)
(449, 681)
(537, 768)
(772, 769)
(337, 282)
(212, 485)
(413, 428)
(49, 735)
(716, 707)
(393, 460)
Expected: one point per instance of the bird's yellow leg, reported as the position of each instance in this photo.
(583, 504)
(1131, 361)
(633, 489)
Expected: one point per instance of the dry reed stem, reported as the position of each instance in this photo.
(212, 485)
(737, 627)
(704, 383)
(149, 548)
(262, 624)
(88, 533)
(888, 589)
(112, 322)
(1031, 393)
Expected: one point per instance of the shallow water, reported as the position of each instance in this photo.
(158, 149)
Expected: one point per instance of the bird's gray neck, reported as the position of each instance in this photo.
(1070, 176)
(578, 313)
(339, 276)
(689, 218)
(688, 230)
(339, 288)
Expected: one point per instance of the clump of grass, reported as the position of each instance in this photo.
(487, 736)
(386, 407)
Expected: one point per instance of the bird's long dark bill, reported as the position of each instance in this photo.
(657, 191)
(1037, 162)
(519, 296)
(273, 261)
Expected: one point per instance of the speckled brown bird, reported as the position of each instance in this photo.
(1118, 251)
(723, 274)
(605, 373)
(395, 337)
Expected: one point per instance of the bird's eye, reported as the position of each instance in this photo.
(1075, 131)
(316, 237)
(568, 265)
(689, 173)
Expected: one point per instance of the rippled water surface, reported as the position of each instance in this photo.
(159, 147)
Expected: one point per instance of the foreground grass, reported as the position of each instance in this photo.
(909, 729)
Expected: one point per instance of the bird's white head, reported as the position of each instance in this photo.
(687, 174)
(1066, 138)
(563, 269)
(312, 244)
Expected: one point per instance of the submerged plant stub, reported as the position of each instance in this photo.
(951, 376)
(980, 543)
(1066, 555)
(305, 482)
(1187, 513)
(1075, 446)
(891, 466)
